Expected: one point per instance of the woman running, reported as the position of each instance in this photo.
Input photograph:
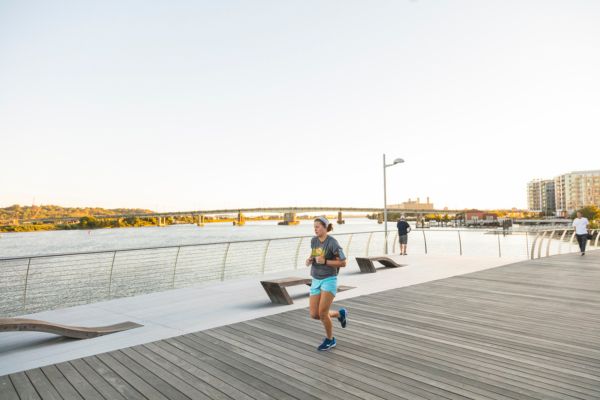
(327, 257)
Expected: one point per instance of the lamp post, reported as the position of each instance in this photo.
(396, 161)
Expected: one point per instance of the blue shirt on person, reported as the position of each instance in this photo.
(403, 228)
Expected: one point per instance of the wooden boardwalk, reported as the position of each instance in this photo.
(529, 330)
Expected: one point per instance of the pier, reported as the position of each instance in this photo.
(526, 330)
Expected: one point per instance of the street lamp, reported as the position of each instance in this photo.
(396, 161)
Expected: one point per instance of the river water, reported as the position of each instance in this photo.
(57, 242)
(435, 241)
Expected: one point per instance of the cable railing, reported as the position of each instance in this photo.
(38, 283)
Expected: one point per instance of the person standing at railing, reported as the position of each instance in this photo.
(580, 224)
(403, 230)
(326, 258)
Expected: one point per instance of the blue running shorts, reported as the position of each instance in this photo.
(328, 284)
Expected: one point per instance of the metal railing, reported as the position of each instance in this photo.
(37, 283)
(555, 240)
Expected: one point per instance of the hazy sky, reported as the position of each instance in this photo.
(179, 105)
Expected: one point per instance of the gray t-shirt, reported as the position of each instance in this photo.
(331, 249)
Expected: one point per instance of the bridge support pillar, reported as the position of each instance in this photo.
(241, 220)
(289, 218)
(340, 219)
(380, 218)
(200, 220)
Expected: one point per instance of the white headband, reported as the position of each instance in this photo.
(323, 220)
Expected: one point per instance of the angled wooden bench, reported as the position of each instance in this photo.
(366, 263)
(75, 332)
(277, 292)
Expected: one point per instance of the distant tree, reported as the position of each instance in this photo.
(88, 223)
(446, 219)
(592, 213)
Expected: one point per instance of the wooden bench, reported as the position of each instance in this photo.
(75, 332)
(366, 263)
(276, 288)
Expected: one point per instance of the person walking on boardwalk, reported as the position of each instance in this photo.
(326, 258)
(403, 229)
(580, 224)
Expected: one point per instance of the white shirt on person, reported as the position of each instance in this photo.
(580, 225)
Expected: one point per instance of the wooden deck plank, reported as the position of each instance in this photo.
(276, 388)
(417, 322)
(131, 377)
(112, 378)
(202, 365)
(23, 386)
(305, 341)
(205, 390)
(42, 385)
(343, 360)
(165, 374)
(376, 381)
(7, 390)
(419, 368)
(99, 383)
(472, 357)
(392, 347)
(528, 330)
(291, 368)
(508, 331)
(231, 365)
(60, 383)
(446, 305)
(511, 349)
(83, 387)
(149, 376)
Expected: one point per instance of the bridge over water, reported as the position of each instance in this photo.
(291, 212)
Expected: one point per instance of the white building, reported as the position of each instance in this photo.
(576, 190)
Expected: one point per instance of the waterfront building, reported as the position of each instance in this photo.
(541, 196)
(413, 205)
(576, 190)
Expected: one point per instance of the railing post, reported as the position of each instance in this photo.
(549, 243)
(424, 240)
(349, 242)
(597, 237)
(25, 288)
(533, 245)
(527, 244)
(459, 243)
(298, 252)
(112, 266)
(541, 244)
(562, 237)
(175, 266)
(499, 247)
(265, 255)
(395, 241)
(571, 241)
(369, 242)
(225, 262)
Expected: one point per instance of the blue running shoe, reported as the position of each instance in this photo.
(327, 344)
(343, 317)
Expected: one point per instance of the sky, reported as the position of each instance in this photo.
(191, 105)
